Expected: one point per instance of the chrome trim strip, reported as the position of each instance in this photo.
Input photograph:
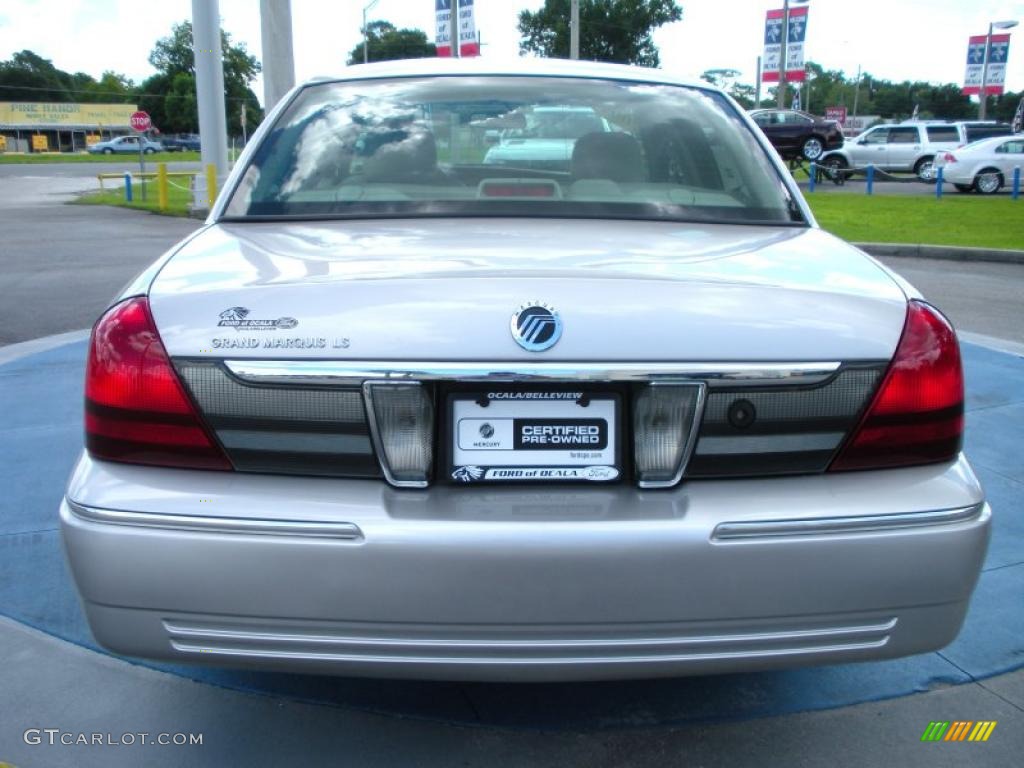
(232, 525)
(528, 661)
(213, 635)
(355, 372)
(691, 438)
(833, 525)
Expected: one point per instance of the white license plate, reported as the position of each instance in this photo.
(535, 436)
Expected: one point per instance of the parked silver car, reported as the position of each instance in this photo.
(388, 413)
(909, 147)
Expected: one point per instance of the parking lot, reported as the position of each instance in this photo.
(59, 266)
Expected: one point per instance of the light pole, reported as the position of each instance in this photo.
(454, 43)
(982, 96)
(574, 29)
(780, 97)
(366, 33)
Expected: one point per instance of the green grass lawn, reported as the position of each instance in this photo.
(178, 200)
(975, 221)
(967, 220)
(67, 157)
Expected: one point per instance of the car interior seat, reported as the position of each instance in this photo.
(602, 161)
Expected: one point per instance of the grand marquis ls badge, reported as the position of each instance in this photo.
(536, 327)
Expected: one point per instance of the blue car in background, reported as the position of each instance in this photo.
(186, 142)
(126, 145)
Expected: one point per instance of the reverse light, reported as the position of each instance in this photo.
(402, 426)
(917, 415)
(665, 423)
(136, 410)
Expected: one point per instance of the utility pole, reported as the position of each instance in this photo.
(574, 30)
(278, 58)
(454, 33)
(210, 89)
(366, 32)
(780, 97)
(982, 96)
(856, 92)
(757, 86)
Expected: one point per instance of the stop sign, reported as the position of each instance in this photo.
(140, 121)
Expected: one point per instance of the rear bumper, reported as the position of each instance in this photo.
(354, 577)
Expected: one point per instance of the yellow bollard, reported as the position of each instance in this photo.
(161, 185)
(211, 184)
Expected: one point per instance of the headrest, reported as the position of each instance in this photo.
(613, 156)
(405, 156)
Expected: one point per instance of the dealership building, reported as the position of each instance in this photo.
(43, 127)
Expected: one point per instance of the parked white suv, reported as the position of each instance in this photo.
(910, 146)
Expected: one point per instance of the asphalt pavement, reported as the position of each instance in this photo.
(60, 265)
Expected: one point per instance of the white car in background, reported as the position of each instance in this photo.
(984, 166)
(421, 416)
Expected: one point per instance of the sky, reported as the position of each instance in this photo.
(891, 39)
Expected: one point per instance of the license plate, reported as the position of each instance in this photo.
(534, 436)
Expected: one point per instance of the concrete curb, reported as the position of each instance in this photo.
(11, 352)
(944, 252)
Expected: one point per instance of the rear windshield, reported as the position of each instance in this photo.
(979, 132)
(522, 146)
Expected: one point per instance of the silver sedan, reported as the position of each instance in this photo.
(397, 411)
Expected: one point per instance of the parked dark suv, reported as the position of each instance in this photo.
(796, 134)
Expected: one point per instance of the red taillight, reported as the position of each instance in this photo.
(949, 158)
(136, 410)
(917, 415)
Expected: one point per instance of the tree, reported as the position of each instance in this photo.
(744, 94)
(610, 30)
(27, 76)
(173, 56)
(384, 42)
(720, 78)
(153, 93)
(1005, 106)
(726, 80)
(111, 88)
(181, 113)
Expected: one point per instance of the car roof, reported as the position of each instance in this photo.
(523, 66)
(991, 141)
(761, 110)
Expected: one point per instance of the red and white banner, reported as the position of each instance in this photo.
(469, 44)
(794, 46)
(836, 113)
(995, 77)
